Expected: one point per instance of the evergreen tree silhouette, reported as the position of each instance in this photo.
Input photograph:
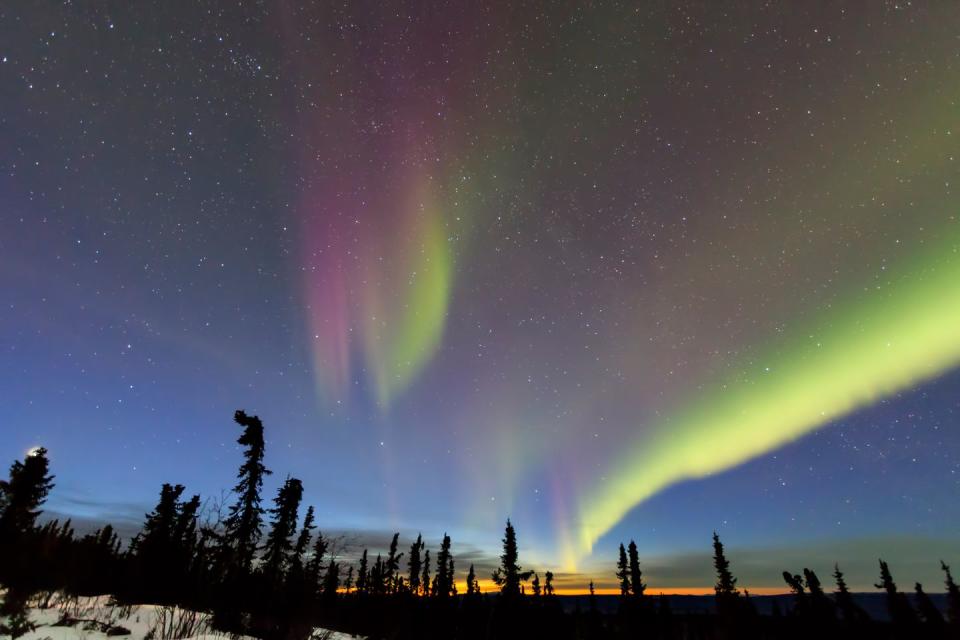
(535, 584)
(415, 565)
(897, 605)
(473, 587)
(303, 540)
(623, 572)
(425, 577)
(592, 600)
(159, 526)
(953, 595)
(508, 575)
(821, 607)
(813, 583)
(726, 586)
(362, 577)
(348, 581)
(331, 582)
(548, 583)
(185, 530)
(163, 548)
(451, 580)
(106, 538)
(795, 582)
(443, 584)
(22, 495)
(929, 613)
(279, 543)
(299, 590)
(636, 576)
(314, 566)
(848, 608)
(392, 566)
(245, 517)
(376, 577)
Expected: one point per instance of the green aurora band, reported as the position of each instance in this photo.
(886, 340)
(397, 351)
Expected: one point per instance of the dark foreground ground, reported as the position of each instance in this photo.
(874, 604)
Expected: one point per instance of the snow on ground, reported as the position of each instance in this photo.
(98, 619)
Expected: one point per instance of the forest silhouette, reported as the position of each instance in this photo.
(265, 572)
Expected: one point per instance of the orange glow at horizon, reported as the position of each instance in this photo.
(488, 586)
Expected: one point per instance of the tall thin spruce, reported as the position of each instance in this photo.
(245, 518)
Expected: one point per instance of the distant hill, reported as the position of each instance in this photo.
(873, 603)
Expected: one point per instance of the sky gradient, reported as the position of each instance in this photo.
(614, 272)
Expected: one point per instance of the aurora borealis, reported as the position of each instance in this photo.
(902, 334)
(619, 271)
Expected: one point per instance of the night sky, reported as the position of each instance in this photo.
(615, 271)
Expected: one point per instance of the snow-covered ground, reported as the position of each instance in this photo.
(65, 618)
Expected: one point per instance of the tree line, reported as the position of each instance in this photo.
(263, 571)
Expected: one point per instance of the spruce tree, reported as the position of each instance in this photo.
(414, 565)
(159, 552)
(548, 583)
(443, 585)
(185, 531)
(508, 576)
(425, 578)
(623, 572)
(953, 595)
(821, 606)
(299, 589)
(158, 528)
(451, 579)
(362, 577)
(348, 581)
(376, 577)
(813, 583)
(314, 567)
(473, 588)
(886, 580)
(901, 613)
(636, 576)
(279, 543)
(245, 517)
(848, 608)
(23, 494)
(928, 611)
(331, 582)
(303, 540)
(726, 586)
(535, 584)
(795, 582)
(726, 583)
(392, 566)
